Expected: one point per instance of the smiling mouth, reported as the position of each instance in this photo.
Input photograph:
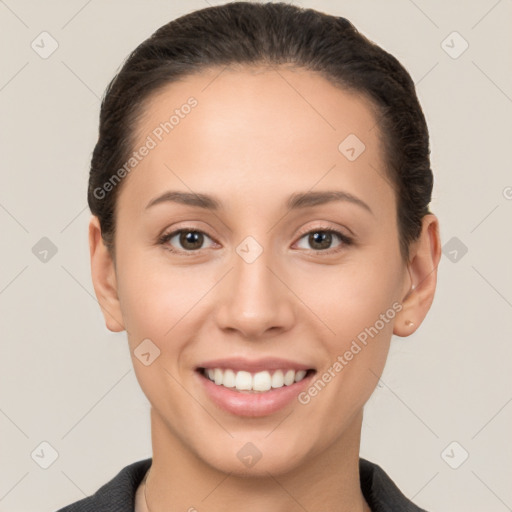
(259, 382)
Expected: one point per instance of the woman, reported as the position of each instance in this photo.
(260, 229)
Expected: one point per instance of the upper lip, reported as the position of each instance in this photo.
(254, 365)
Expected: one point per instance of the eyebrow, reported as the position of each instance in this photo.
(187, 198)
(307, 199)
(295, 201)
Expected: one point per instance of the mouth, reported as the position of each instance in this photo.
(259, 382)
(253, 389)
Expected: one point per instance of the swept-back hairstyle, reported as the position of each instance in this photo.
(245, 33)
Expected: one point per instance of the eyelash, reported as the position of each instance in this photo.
(346, 241)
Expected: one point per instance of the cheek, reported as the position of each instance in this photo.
(350, 296)
(155, 295)
(158, 302)
(359, 311)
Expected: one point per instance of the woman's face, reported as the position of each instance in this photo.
(253, 288)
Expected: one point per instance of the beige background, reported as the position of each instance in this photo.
(67, 381)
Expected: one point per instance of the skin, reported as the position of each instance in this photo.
(257, 136)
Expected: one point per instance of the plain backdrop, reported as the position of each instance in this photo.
(439, 421)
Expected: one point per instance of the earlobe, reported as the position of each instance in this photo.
(425, 256)
(104, 278)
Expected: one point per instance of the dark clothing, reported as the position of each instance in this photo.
(118, 495)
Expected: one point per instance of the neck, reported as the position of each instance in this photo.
(180, 479)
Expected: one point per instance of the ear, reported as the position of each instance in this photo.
(421, 286)
(104, 278)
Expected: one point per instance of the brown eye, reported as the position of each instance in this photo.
(320, 240)
(323, 240)
(185, 240)
(191, 239)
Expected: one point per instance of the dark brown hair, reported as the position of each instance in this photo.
(245, 33)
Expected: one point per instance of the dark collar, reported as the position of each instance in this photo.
(118, 495)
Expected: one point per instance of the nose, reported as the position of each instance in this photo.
(255, 300)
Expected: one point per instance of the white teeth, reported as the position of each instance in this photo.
(300, 375)
(218, 376)
(289, 377)
(243, 381)
(229, 379)
(261, 381)
(278, 379)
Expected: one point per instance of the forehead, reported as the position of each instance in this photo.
(279, 128)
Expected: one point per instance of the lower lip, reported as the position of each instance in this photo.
(252, 404)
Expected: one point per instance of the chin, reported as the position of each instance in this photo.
(251, 456)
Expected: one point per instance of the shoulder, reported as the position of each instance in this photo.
(117, 495)
(381, 493)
